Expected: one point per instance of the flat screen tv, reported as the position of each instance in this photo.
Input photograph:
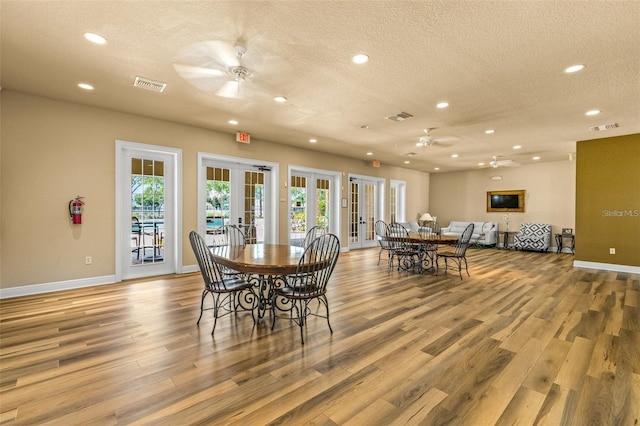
(505, 201)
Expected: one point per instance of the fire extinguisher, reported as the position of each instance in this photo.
(75, 210)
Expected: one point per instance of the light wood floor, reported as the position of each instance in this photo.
(528, 339)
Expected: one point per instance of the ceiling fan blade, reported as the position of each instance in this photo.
(191, 71)
(222, 52)
(231, 89)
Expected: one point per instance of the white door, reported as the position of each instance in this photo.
(364, 211)
(236, 194)
(312, 201)
(147, 213)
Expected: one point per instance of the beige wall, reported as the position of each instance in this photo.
(52, 151)
(608, 200)
(549, 197)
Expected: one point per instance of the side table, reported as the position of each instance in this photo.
(560, 242)
(507, 238)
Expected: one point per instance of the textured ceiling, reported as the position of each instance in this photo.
(498, 64)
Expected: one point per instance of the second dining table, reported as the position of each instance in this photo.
(267, 266)
(426, 247)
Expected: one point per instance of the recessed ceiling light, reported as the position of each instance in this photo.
(517, 146)
(574, 68)
(369, 153)
(407, 162)
(85, 86)
(360, 59)
(95, 38)
(454, 155)
(489, 131)
(280, 99)
(536, 158)
(233, 122)
(436, 168)
(593, 112)
(480, 164)
(442, 105)
(364, 126)
(312, 140)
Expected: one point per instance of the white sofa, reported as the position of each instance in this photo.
(484, 233)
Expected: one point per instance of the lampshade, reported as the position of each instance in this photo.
(426, 218)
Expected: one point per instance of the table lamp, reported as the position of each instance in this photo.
(426, 217)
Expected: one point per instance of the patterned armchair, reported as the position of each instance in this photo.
(533, 236)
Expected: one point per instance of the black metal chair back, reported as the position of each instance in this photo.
(311, 235)
(234, 236)
(459, 252)
(463, 243)
(309, 282)
(223, 289)
(211, 273)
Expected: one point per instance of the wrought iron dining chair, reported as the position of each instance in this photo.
(250, 234)
(308, 283)
(381, 234)
(313, 233)
(456, 253)
(407, 254)
(232, 236)
(229, 293)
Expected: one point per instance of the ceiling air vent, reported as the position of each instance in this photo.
(410, 154)
(603, 127)
(401, 116)
(147, 83)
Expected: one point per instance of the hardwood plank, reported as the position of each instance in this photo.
(527, 339)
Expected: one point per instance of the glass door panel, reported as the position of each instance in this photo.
(363, 213)
(235, 195)
(298, 199)
(147, 211)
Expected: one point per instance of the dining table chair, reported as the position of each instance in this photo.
(408, 254)
(381, 234)
(456, 253)
(230, 294)
(309, 283)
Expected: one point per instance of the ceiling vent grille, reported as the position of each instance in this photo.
(603, 127)
(401, 116)
(410, 154)
(147, 83)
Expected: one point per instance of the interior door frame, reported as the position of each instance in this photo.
(336, 183)
(123, 219)
(271, 180)
(379, 206)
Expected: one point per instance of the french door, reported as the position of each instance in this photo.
(235, 193)
(146, 210)
(364, 210)
(312, 202)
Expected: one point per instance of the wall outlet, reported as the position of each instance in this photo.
(612, 250)
(88, 260)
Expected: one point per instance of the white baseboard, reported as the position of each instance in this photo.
(26, 290)
(607, 266)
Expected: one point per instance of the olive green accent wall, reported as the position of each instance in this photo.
(608, 200)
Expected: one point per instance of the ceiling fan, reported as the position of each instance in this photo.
(495, 163)
(428, 140)
(225, 69)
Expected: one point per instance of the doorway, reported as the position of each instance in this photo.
(313, 201)
(147, 214)
(365, 208)
(240, 192)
